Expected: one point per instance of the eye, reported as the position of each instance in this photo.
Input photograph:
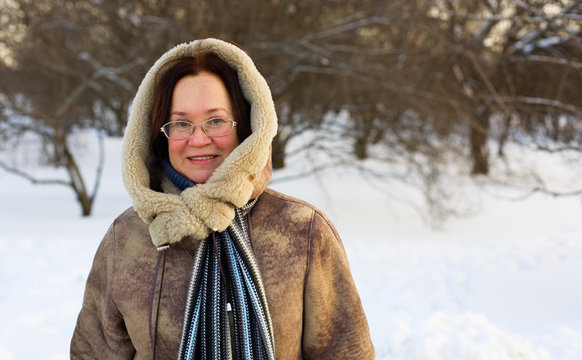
(181, 125)
(215, 122)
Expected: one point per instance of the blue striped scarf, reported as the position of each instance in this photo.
(227, 315)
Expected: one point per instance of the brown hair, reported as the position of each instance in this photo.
(166, 80)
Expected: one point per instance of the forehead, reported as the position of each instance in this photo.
(202, 92)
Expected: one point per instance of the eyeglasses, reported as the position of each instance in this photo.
(213, 128)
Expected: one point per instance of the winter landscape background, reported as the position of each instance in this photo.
(503, 283)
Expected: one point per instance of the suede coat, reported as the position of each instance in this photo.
(136, 292)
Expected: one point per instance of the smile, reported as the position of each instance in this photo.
(200, 158)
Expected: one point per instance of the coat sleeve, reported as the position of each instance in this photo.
(100, 332)
(335, 326)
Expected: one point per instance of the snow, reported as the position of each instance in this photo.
(501, 284)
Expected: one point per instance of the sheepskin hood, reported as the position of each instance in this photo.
(195, 212)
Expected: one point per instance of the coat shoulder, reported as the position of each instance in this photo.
(130, 231)
(129, 217)
(284, 197)
(279, 203)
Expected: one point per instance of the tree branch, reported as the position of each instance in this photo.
(100, 165)
(544, 190)
(548, 60)
(573, 109)
(31, 178)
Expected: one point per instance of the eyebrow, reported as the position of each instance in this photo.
(207, 112)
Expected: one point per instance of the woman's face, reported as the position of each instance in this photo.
(197, 98)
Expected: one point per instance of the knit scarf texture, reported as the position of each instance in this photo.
(226, 314)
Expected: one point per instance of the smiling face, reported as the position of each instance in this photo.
(197, 98)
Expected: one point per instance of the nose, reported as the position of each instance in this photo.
(199, 137)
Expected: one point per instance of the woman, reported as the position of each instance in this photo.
(209, 263)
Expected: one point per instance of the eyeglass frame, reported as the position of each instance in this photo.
(194, 126)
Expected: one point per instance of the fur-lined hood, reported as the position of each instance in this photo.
(245, 173)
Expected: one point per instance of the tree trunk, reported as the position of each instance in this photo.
(363, 131)
(504, 136)
(478, 138)
(77, 182)
(86, 203)
(361, 148)
(278, 152)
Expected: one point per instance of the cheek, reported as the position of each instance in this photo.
(174, 149)
(228, 143)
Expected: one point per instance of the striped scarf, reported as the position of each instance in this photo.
(226, 316)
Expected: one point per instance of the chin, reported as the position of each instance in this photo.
(199, 179)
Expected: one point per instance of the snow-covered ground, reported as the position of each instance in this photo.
(502, 284)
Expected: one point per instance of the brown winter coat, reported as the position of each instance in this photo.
(135, 295)
(315, 308)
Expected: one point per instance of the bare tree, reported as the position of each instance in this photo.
(57, 84)
(417, 80)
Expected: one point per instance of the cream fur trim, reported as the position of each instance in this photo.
(205, 207)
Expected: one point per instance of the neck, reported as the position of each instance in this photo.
(178, 179)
